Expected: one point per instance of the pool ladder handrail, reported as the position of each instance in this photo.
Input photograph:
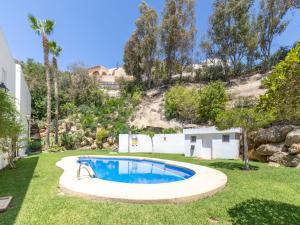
(84, 166)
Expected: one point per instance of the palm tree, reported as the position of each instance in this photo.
(55, 50)
(44, 28)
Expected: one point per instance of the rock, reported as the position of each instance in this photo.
(83, 143)
(278, 157)
(269, 149)
(111, 140)
(294, 149)
(94, 146)
(106, 145)
(274, 164)
(251, 136)
(292, 160)
(89, 140)
(293, 137)
(275, 134)
(253, 155)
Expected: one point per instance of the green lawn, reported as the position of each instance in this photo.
(265, 195)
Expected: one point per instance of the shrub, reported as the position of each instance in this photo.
(88, 121)
(191, 105)
(101, 135)
(283, 89)
(169, 131)
(68, 108)
(34, 145)
(67, 140)
(211, 73)
(213, 99)
(181, 103)
(56, 148)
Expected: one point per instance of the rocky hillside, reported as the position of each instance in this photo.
(150, 112)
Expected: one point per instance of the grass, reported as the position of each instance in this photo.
(265, 195)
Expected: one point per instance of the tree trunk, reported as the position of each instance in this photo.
(48, 80)
(246, 158)
(152, 144)
(55, 77)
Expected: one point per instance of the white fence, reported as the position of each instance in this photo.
(162, 143)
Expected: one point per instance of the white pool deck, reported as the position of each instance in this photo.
(204, 183)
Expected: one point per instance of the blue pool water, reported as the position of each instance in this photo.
(135, 170)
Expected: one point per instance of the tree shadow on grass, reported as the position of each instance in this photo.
(231, 165)
(259, 212)
(15, 182)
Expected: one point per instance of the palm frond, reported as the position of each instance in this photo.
(48, 26)
(54, 48)
(34, 24)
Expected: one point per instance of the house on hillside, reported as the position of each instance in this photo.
(205, 143)
(108, 78)
(12, 80)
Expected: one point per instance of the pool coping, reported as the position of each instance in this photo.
(188, 190)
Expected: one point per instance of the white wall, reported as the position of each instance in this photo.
(209, 146)
(225, 150)
(23, 104)
(162, 143)
(7, 66)
(7, 76)
(12, 76)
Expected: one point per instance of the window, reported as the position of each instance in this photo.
(237, 136)
(193, 139)
(225, 138)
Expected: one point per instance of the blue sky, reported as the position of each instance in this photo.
(94, 31)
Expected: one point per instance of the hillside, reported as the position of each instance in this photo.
(150, 112)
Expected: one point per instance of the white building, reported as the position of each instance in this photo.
(205, 143)
(210, 143)
(12, 77)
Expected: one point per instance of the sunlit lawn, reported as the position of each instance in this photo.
(265, 195)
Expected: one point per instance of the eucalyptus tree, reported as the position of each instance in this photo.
(55, 50)
(132, 57)
(44, 28)
(170, 36)
(146, 31)
(187, 22)
(229, 32)
(271, 23)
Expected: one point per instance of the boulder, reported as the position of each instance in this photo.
(111, 140)
(293, 137)
(275, 134)
(251, 136)
(253, 155)
(292, 160)
(106, 145)
(94, 146)
(269, 149)
(89, 140)
(83, 143)
(294, 149)
(278, 157)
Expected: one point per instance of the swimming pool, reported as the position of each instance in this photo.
(137, 179)
(137, 171)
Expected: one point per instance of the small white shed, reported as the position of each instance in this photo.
(210, 143)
